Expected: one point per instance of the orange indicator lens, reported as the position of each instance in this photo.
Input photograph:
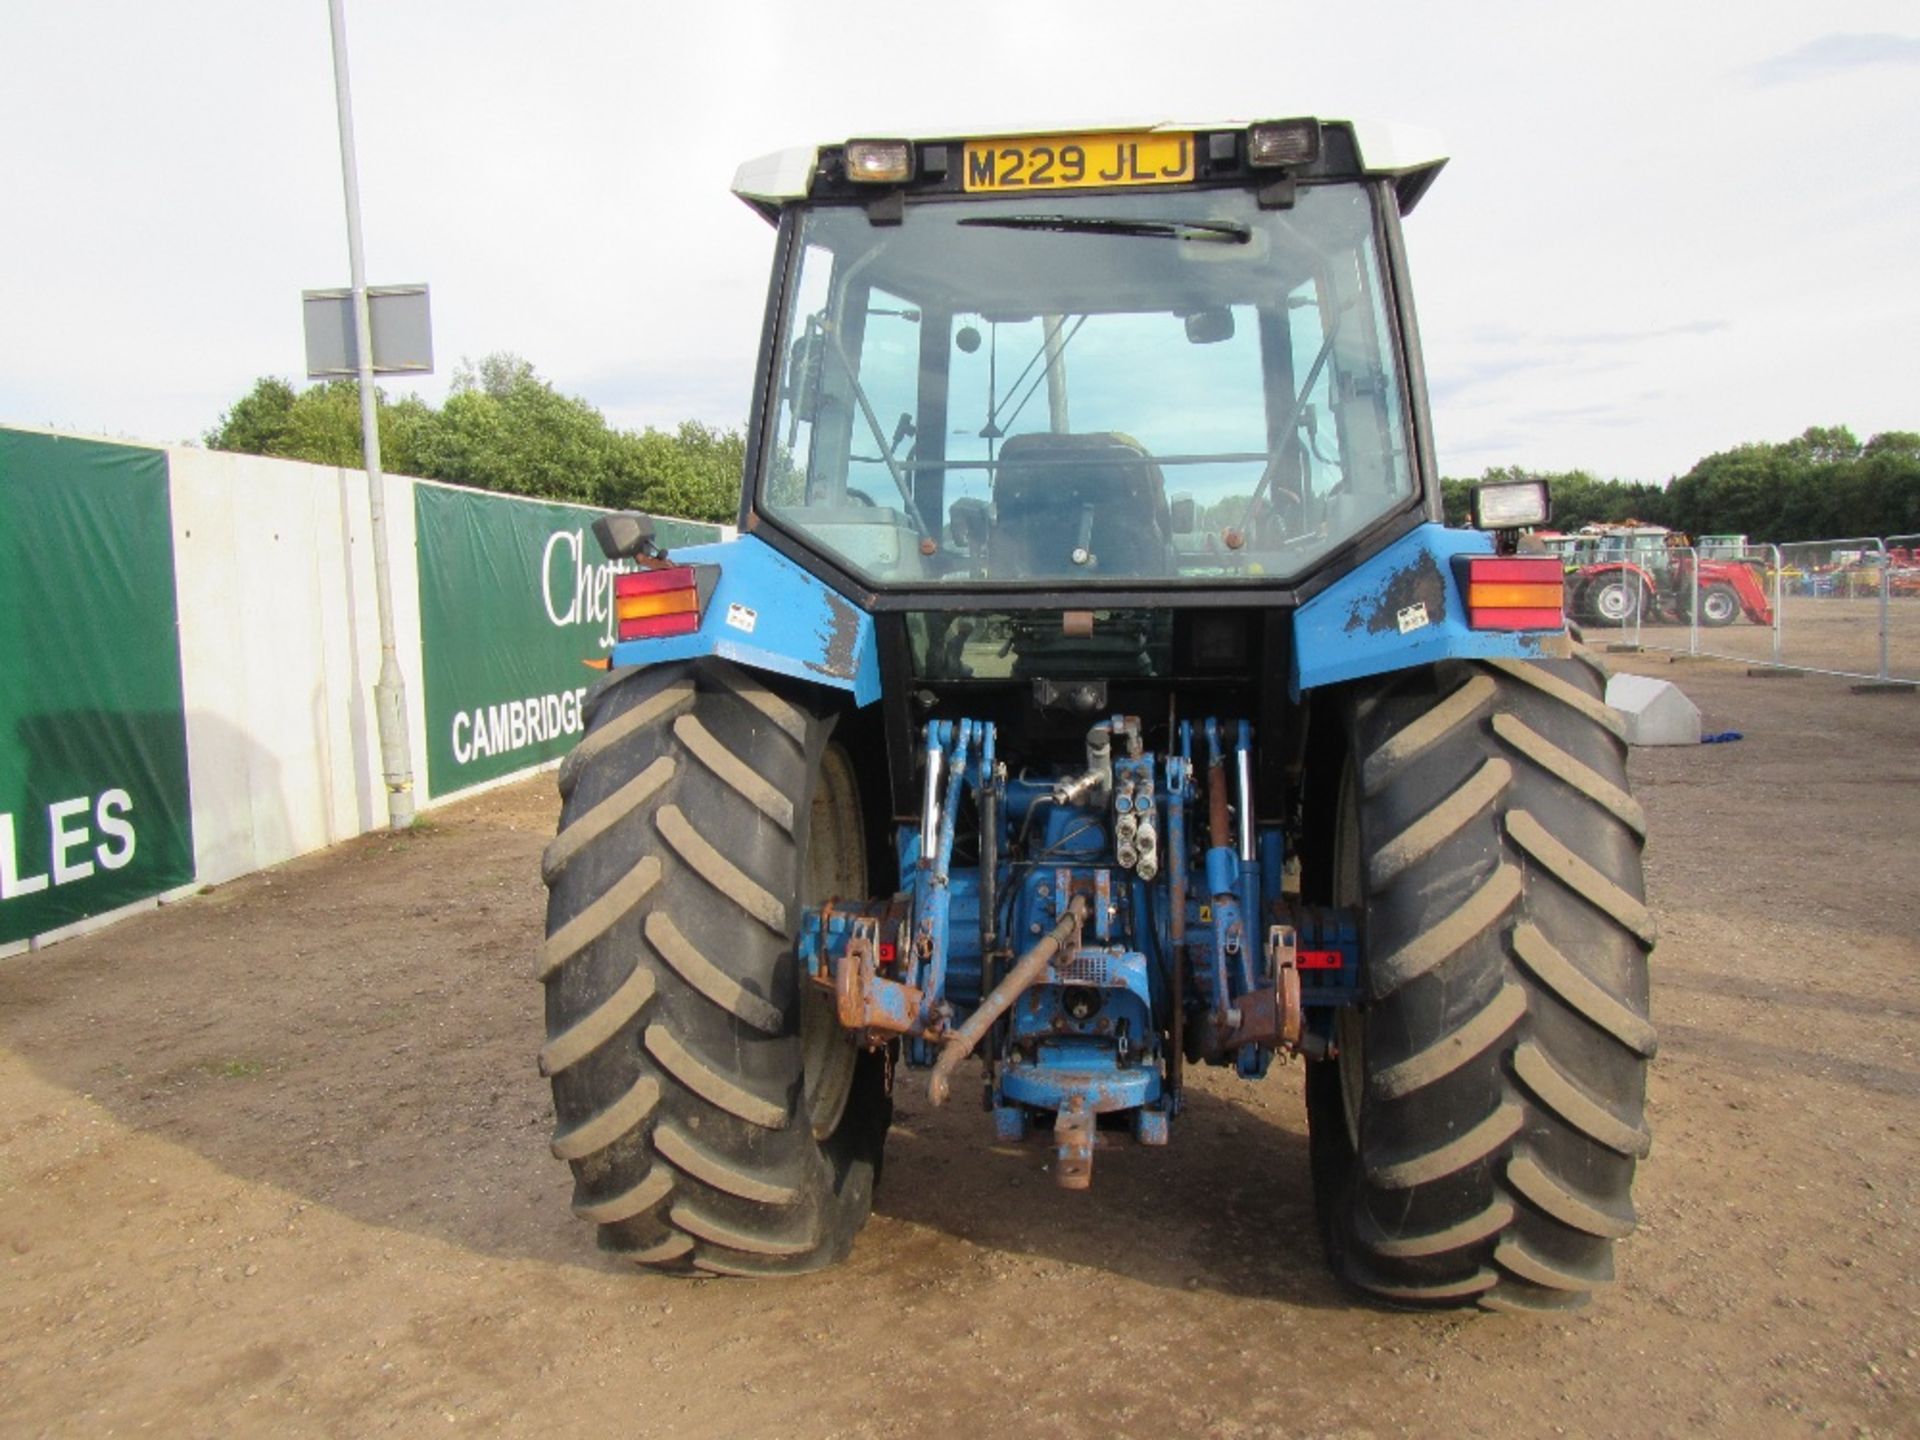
(665, 602)
(1508, 595)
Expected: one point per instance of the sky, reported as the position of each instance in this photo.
(1664, 230)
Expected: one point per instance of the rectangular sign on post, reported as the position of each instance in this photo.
(402, 331)
(94, 806)
(514, 596)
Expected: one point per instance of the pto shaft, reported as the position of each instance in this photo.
(1025, 972)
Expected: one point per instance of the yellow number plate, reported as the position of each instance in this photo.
(1078, 162)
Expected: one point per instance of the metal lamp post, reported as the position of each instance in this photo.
(389, 691)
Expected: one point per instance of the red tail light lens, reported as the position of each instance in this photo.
(1515, 592)
(649, 604)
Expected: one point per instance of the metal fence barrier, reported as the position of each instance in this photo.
(1847, 607)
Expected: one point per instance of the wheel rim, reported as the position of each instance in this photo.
(1718, 606)
(1612, 602)
(1349, 1024)
(835, 865)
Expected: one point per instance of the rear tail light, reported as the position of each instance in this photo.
(1514, 592)
(650, 604)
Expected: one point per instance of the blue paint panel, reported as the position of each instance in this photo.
(1102, 1089)
(1352, 628)
(799, 626)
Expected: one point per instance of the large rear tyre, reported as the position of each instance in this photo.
(1719, 605)
(1616, 600)
(1475, 1139)
(715, 1117)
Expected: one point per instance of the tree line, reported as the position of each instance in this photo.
(502, 428)
(1823, 484)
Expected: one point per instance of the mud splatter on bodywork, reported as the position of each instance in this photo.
(1419, 582)
(839, 640)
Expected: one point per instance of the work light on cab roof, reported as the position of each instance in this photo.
(1095, 692)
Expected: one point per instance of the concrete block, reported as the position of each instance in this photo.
(1655, 711)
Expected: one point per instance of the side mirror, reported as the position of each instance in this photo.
(626, 535)
(969, 520)
(904, 430)
(1185, 514)
(803, 372)
(1210, 327)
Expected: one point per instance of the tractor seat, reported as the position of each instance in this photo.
(1045, 487)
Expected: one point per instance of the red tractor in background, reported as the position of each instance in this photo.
(1620, 574)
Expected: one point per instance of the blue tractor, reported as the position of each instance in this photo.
(1093, 693)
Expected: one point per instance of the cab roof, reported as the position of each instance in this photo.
(1409, 155)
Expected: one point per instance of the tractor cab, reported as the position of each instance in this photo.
(1160, 356)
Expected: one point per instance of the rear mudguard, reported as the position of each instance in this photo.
(769, 614)
(1399, 609)
(1402, 608)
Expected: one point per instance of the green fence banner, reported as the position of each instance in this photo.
(94, 809)
(514, 595)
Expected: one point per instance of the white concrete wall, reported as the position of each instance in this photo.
(279, 648)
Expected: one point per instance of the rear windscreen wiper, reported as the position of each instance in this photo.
(1217, 232)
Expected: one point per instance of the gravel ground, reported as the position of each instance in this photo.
(273, 1160)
